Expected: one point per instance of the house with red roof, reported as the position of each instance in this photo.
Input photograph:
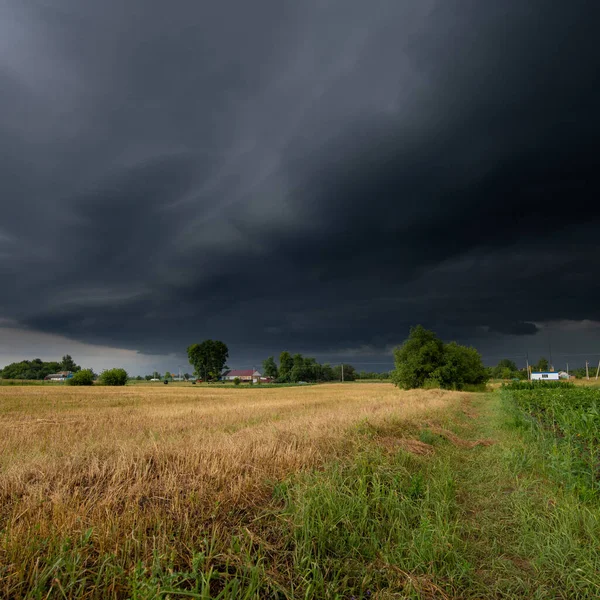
(243, 375)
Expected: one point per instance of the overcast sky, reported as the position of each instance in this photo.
(314, 176)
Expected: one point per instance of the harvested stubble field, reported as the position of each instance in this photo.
(319, 492)
(144, 472)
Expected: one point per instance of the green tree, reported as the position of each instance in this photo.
(543, 364)
(208, 358)
(286, 362)
(270, 368)
(113, 377)
(68, 364)
(298, 372)
(327, 373)
(461, 366)
(349, 372)
(147, 377)
(505, 369)
(418, 358)
(82, 377)
(168, 375)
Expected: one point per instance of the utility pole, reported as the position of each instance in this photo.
(598, 369)
(567, 369)
(587, 373)
(527, 363)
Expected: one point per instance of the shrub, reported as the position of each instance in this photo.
(237, 381)
(113, 377)
(424, 360)
(83, 377)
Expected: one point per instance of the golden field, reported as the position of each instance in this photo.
(148, 468)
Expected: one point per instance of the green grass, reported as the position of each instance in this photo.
(564, 420)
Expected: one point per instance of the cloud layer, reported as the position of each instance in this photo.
(314, 176)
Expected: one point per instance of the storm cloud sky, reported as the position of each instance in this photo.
(314, 176)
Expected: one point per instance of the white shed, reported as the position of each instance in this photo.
(545, 376)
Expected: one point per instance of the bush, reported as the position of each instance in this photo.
(113, 377)
(424, 360)
(237, 381)
(83, 377)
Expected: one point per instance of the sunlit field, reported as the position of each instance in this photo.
(330, 491)
(146, 471)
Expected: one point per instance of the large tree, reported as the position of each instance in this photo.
(505, 369)
(208, 358)
(425, 359)
(270, 367)
(418, 358)
(347, 371)
(542, 365)
(461, 366)
(68, 364)
(286, 363)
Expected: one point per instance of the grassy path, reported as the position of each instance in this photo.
(472, 520)
(524, 535)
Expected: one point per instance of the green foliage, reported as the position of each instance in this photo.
(237, 381)
(208, 358)
(113, 377)
(506, 369)
(29, 369)
(270, 368)
(542, 364)
(168, 376)
(293, 369)
(567, 420)
(285, 366)
(372, 375)
(147, 377)
(418, 358)
(82, 377)
(461, 366)
(425, 361)
(537, 384)
(68, 364)
(349, 373)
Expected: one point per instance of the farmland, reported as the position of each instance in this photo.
(328, 491)
(565, 419)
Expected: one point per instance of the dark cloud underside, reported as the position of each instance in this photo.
(315, 176)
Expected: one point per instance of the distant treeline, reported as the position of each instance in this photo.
(37, 368)
(295, 368)
(507, 369)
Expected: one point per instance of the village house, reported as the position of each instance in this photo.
(242, 375)
(60, 376)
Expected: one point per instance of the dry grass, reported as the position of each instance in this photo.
(149, 467)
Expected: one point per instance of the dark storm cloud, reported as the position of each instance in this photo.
(315, 176)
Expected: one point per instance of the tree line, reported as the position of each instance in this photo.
(296, 367)
(423, 360)
(38, 369)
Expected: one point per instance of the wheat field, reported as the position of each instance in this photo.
(140, 470)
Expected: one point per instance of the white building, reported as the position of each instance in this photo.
(545, 376)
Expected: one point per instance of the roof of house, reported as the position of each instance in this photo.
(240, 373)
